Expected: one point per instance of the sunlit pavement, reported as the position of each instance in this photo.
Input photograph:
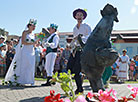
(37, 93)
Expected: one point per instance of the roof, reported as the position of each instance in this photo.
(113, 32)
(125, 31)
(125, 37)
(65, 33)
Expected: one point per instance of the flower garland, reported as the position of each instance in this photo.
(30, 40)
(15, 78)
(14, 75)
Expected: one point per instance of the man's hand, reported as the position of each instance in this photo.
(47, 44)
(80, 35)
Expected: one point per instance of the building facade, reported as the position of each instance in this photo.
(121, 39)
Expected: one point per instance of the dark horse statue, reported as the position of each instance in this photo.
(97, 52)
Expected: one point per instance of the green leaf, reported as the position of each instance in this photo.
(17, 84)
(85, 10)
(65, 88)
(3, 82)
(69, 72)
(27, 39)
(32, 40)
(71, 98)
(6, 82)
(14, 67)
(73, 75)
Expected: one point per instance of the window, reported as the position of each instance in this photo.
(137, 50)
(129, 50)
(114, 47)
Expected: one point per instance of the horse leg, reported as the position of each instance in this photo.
(93, 84)
(100, 84)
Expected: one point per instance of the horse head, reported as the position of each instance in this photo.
(109, 10)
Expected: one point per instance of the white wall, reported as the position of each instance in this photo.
(62, 41)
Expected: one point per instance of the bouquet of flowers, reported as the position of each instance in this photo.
(42, 35)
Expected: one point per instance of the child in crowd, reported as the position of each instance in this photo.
(41, 65)
(114, 68)
(131, 67)
(57, 62)
(2, 59)
(64, 66)
(136, 70)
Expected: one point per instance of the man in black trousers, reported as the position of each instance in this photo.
(74, 61)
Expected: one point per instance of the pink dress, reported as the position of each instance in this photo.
(132, 66)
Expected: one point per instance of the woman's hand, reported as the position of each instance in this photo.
(35, 42)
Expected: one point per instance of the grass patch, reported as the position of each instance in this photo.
(40, 79)
(131, 82)
(1, 78)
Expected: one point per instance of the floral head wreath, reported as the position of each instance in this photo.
(54, 26)
(33, 22)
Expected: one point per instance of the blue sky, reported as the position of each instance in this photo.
(15, 14)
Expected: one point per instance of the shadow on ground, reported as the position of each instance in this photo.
(17, 87)
(33, 99)
(38, 99)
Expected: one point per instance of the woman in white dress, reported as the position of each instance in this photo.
(123, 67)
(22, 68)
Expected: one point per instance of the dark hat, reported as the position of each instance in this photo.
(124, 50)
(79, 10)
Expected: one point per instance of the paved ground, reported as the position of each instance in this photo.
(37, 93)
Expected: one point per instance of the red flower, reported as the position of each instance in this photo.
(53, 98)
(52, 92)
(90, 95)
(124, 99)
(44, 50)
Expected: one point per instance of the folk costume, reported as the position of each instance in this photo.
(106, 75)
(51, 54)
(74, 60)
(123, 68)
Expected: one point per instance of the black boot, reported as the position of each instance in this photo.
(48, 82)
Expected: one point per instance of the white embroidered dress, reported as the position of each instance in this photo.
(123, 68)
(25, 63)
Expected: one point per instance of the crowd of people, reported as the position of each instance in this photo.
(61, 61)
(41, 58)
(126, 68)
(7, 51)
(22, 59)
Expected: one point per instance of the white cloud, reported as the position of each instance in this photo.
(136, 2)
(133, 10)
